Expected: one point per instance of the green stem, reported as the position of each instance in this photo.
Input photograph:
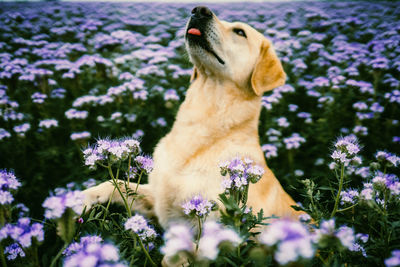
(106, 211)
(129, 168)
(136, 189)
(323, 260)
(385, 200)
(43, 222)
(35, 254)
(119, 191)
(138, 182)
(133, 254)
(246, 192)
(290, 160)
(2, 257)
(339, 191)
(146, 253)
(54, 261)
(198, 234)
(341, 210)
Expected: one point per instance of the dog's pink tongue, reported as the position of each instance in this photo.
(194, 31)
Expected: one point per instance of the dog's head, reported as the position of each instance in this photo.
(232, 51)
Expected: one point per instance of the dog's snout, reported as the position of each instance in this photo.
(201, 12)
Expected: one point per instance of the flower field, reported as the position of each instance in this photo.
(88, 89)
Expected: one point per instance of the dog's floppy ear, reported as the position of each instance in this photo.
(268, 72)
(194, 74)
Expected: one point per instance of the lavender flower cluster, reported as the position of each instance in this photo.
(241, 173)
(139, 226)
(292, 239)
(91, 252)
(8, 182)
(346, 151)
(55, 206)
(179, 238)
(110, 151)
(198, 206)
(22, 234)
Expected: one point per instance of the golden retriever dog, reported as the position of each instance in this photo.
(218, 120)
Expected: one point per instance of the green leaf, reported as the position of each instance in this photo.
(66, 226)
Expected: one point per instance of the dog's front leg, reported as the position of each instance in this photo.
(143, 201)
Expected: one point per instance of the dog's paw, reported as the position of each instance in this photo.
(97, 195)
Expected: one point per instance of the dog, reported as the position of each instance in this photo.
(233, 66)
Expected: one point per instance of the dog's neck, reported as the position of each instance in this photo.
(210, 99)
(212, 109)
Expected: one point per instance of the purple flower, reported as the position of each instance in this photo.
(362, 237)
(346, 150)
(75, 246)
(55, 206)
(348, 197)
(48, 123)
(360, 106)
(344, 234)
(23, 232)
(58, 93)
(394, 260)
(80, 135)
(394, 96)
(13, 251)
(126, 76)
(22, 129)
(76, 114)
(159, 122)
(291, 238)
(38, 98)
(293, 107)
(197, 206)
(89, 183)
(138, 225)
(270, 150)
(361, 130)
(6, 197)
(304, 218)
(282, 122)
(4, 134)
(110, 150)
(387, 181)
(367, 192)
(294, 141)
(8, 180)
(145, 163)
(177, 238)
(88, 253)
(171, 95)
(255, 173)
(387, 158)
(213, 235)
(241, 173)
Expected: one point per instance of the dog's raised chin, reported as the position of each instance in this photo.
(231, 51)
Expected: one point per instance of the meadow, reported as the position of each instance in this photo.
(77, 79)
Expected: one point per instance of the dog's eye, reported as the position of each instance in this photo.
(240, 32)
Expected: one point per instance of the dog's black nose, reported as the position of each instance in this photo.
(201, 12)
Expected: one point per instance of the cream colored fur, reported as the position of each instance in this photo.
(217, 121)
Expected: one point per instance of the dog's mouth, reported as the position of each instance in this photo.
(196, 35)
